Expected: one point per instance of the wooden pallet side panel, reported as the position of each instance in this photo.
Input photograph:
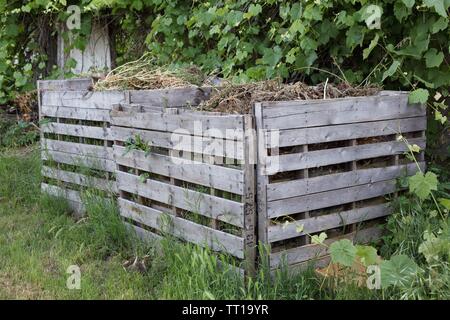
(72, 111)
(171, 190)
(316, 123)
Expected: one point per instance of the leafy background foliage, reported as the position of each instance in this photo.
(251, 40)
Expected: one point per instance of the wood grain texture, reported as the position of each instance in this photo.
(201, 203)
(101, 133)
(314, 159)
(218, 177)
(346, 132)
(183, 229)
(331, 198)
(299, 187)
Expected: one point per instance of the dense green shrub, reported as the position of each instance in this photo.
(252, 40)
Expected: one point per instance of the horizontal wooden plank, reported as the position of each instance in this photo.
(79, 179)
(331, 133)
(83, 99)
(79, 160)
(182, 142)
(141, 233)
(71, 196)
(313, 113)
(299, 187)
(217, 177)
(66, 85)
(331, 198)
(183, 229)
(171, 97)
(84, 131)
(75, 113)
(94, 151)
(314, 159)
(313, 251)
(326, 222)
(197, 124)
(204, 204)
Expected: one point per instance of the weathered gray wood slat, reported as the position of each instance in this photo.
(183, 229)
(218, 177)
(79, 160)
(83, 99)
(173, 97)
(261, 180)
(299, 187)
(326, 222)
(72, 196)
(200, 203)
(336, 111)
(249, 198)
(94, 151)
(141, 233)
(75, 113)
(314, 251)
(223, 126)
(346, 132)
(331, 198)
(313, 159)
(79, 179)
(182, 142)
(65, 85)
(101, 133)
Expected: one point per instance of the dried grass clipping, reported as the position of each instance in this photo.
(240, 98)
(144, 74)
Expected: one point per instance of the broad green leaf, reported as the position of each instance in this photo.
(254, 9)
(392, 69)
(292, 55)
(299, 228)
(422, 185)
(419, 96)
(372, 45)
(439, 117)
(438, 6)
(408, 3)
(367, 254)
(433, 58)
(445, 203)
(319, 239)
(399, 271)
(434, 248)
(439, 25)
(414, 148)
(343, 252)
(401, 11)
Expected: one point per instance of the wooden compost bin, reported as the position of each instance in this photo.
(329, 166)
(226, 180)
(191, 177)
(76, 135)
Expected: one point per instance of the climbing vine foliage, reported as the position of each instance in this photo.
(403, 44)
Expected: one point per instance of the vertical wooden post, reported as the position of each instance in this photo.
(306, 176)
(262, 179)
(249, 196)
(354, 143)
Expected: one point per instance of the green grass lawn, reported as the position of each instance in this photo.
(39, 240)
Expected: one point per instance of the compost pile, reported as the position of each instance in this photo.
(240, 98)
(145, 74)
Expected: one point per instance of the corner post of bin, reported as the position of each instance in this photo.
(249, 199)
(261, 177)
